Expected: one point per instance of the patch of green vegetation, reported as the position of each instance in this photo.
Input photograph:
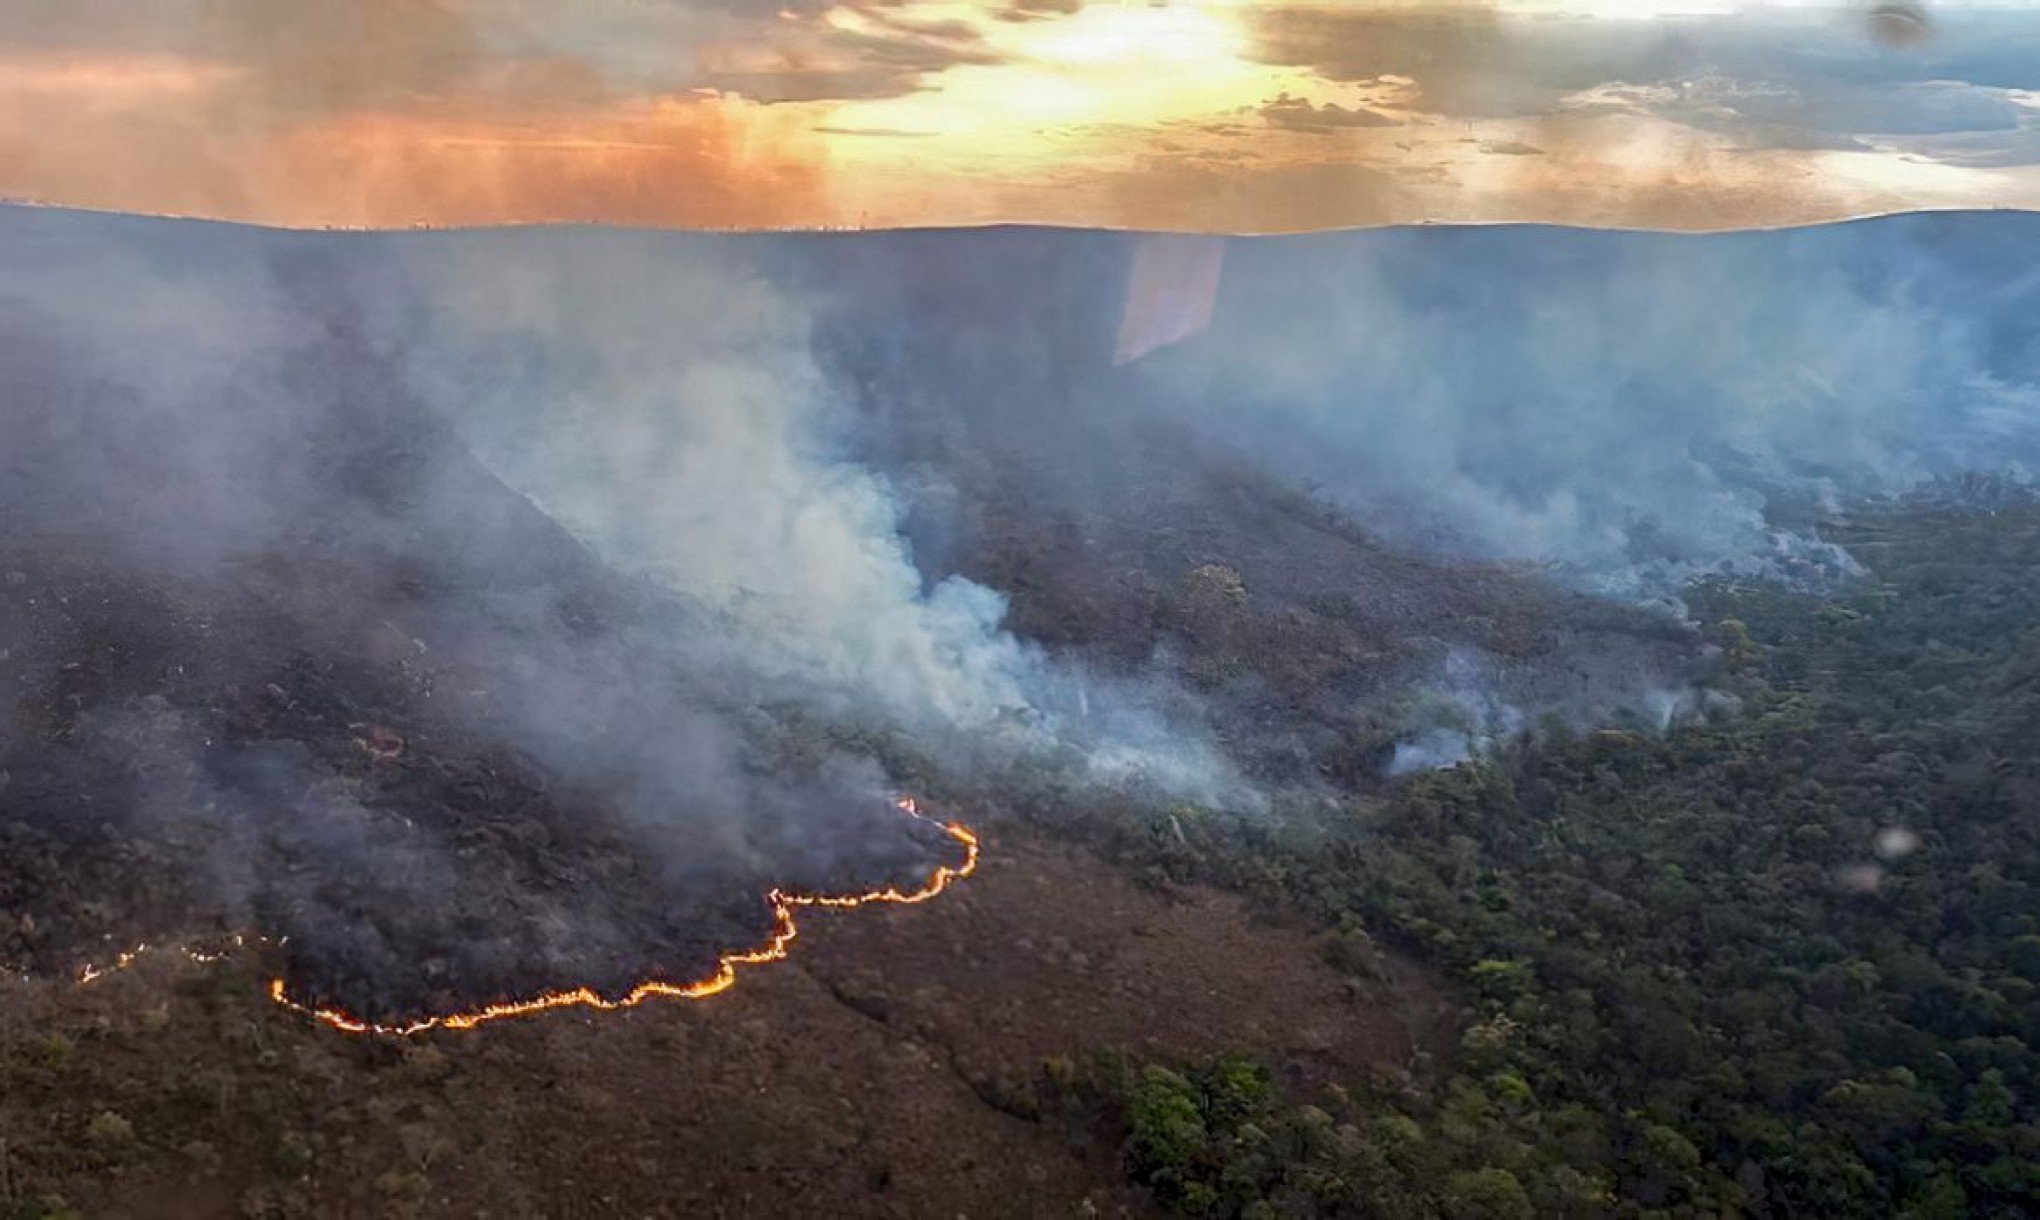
(1786, 962)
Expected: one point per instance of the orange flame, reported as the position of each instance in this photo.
(774, 949)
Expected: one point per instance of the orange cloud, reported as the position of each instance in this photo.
(695, 162)
(162, 134)
(1237, 115)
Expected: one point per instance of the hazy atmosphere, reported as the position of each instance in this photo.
(638, 506)
(1207, 608)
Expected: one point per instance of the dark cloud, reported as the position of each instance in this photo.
(1035, 10)
(1298, 114)
(913, 47)
(1899, 25)
(1781, 71)
(895, 133)
(1821, 114)
(338, 56)
(888, 56)
(1468, 62)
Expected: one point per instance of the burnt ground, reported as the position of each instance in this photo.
(883, 1071)
(362, 696)
(162, 731)
(892, 1067)
(205, 759)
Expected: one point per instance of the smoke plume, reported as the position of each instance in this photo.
(480, 613)
(507, 608)
(1629, 410)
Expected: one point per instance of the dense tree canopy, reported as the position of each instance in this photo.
(1779, 960)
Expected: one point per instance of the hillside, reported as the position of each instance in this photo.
(1478, 723)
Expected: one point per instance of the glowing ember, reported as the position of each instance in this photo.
(774, 949)
(129, 957)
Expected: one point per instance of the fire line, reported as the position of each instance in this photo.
(776, 948)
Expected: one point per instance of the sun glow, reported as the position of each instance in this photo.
(1118, 65)
(1128, 36)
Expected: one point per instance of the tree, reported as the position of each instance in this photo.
(1487, 1194)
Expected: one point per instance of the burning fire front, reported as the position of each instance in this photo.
(776, 948)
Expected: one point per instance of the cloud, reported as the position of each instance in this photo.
(171, 135)
(1766, 114)
(709, 112)
(852, 54)
(1034, 10)
(1899, 25)
(879, 132)
(1301, 115)
(1467, 60)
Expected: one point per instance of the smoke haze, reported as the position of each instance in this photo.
(648, 563)
(1631, 410)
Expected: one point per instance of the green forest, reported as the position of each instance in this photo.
(1781, 961)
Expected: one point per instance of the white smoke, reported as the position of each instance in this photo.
(1454, 717)
(1630, 410)
(658, 396)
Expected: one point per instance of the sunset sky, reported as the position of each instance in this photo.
(1239, 116)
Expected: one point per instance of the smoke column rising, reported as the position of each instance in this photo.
(670, 413)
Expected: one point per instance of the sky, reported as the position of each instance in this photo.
(1200, 115)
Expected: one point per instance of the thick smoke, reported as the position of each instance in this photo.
(480, 612)
(645, 563)
(659, 397)
(655, 395)
(1623, 412)
(1631, 410)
